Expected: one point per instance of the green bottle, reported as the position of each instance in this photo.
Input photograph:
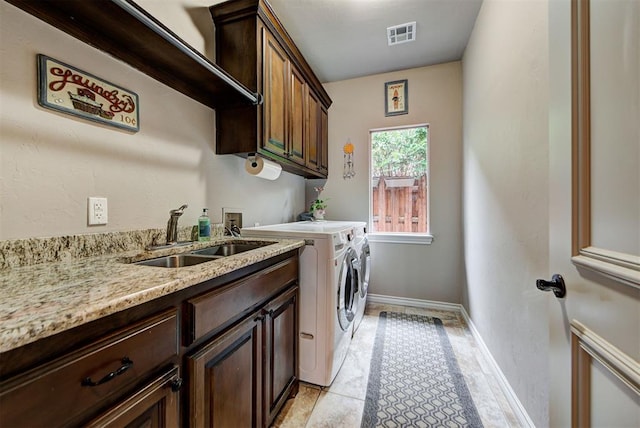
(204, 226)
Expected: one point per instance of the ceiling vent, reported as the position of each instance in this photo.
(401, 33)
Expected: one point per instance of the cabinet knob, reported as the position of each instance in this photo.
(176, 384)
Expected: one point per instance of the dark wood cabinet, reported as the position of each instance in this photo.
(313, 131)
(253, 46)
(297, 115)
(225, 387)
(285, 108)
(217, 354)
(281, 355)
(276, 76)
(317, 128)
(254, 362)
(324, 140)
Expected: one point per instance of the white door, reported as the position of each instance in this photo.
(600, 314)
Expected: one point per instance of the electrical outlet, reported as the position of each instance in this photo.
(98, 212)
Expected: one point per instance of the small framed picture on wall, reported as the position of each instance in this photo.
(396, 98)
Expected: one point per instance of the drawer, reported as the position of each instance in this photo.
(155, 404)
(57, 393)
(213, 310)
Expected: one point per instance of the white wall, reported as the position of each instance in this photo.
(50, 163)
(506, 218)
(431, 272)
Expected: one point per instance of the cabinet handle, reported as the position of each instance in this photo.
(176, 384)
(126, 364)
(259, 318)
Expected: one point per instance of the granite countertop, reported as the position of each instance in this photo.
(43, 299)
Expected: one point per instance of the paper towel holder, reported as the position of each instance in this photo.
(261, 167)
(253, 157)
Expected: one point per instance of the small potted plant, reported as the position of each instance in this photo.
(318, 205)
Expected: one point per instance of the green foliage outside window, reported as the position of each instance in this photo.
(399, 152)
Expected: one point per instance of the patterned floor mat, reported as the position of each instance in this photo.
(415, 380)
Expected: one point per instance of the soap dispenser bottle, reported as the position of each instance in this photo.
(204, 226)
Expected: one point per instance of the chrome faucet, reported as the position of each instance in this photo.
(172, 225)
(233, 229)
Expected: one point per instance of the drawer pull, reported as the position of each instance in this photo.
(126, 364)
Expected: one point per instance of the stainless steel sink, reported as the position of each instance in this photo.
(230, 249)
(201, 256)
(176, 261)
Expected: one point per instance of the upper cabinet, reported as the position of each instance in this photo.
(129, 33)
(290, 126)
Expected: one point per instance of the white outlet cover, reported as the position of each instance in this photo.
(226, 210)
(98, 212)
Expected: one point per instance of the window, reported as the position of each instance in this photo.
(399, 201)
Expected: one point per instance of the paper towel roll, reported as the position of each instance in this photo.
(262, 168)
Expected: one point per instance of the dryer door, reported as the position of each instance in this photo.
(347, 287)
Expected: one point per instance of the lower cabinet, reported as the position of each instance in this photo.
(224, 379)
(242, 377)
(220, 354)
(281, 356)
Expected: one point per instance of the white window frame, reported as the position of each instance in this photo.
(401, 237)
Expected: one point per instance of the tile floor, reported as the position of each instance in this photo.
(341, 404)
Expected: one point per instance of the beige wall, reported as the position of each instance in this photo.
(50, 163)
(431, 272)
(506, 214)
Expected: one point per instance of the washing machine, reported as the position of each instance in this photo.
(328, 286)
(361, 246)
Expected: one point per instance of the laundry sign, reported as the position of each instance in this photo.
(66, 89)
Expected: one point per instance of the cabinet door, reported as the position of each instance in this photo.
(297, 96)
(281, 355)
(276, 81)
(225, 387)
(324, 141)
(154, 406)
(313, 131)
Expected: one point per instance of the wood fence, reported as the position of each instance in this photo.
(400, 204)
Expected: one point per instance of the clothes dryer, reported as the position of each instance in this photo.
(328, 283)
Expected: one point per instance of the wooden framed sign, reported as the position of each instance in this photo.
(66, 89)
(396, 98)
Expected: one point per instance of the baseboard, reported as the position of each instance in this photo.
(517, 407)
(416, 303)
(512, 398)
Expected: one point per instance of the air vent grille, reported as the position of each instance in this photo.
(402, 33)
